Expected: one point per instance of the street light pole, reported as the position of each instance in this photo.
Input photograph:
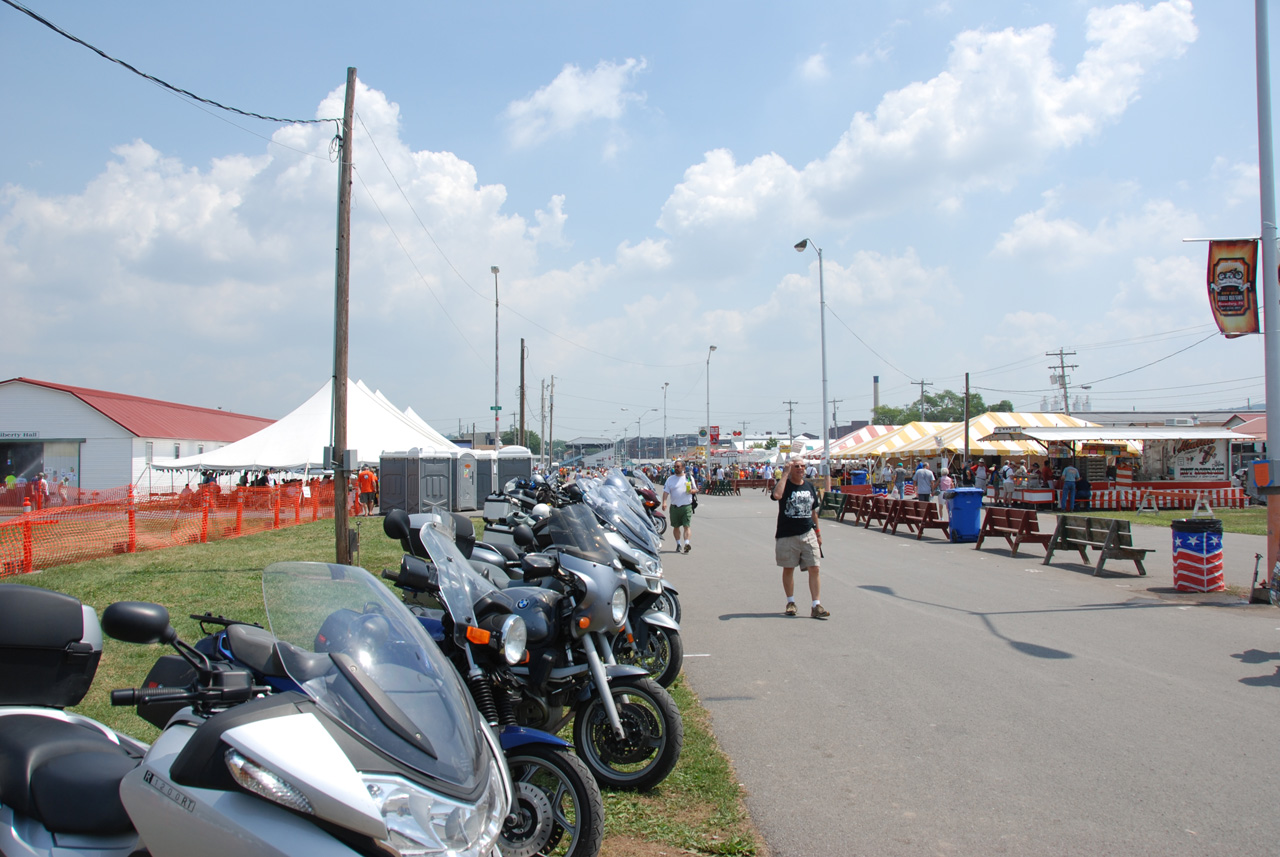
(497, 433)
(708, 446)
(822, 326)
(664, 419)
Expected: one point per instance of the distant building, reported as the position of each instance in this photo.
(101, 440)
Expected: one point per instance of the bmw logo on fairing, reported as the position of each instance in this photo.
(522, 603)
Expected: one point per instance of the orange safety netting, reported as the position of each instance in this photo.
(120, 522)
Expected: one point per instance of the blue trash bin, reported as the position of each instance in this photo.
(966, 514)
(859, 477)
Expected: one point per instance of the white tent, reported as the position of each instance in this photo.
(297, 441)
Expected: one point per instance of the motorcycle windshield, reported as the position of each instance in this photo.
(575, 530)
(642, 480)
(610, 504)
(359, 653)
(461, 586)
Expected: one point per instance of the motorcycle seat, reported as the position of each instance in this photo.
(62, 774)
(255, 648)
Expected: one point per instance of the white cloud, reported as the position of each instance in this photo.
(550, 223)
(1237, 182)
(815, 68)
(1064, 243)
(996, 111)
(574, 98)
(648, 254)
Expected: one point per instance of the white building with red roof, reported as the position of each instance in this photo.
(101, 440)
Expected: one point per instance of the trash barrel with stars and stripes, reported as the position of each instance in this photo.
(1197, 555)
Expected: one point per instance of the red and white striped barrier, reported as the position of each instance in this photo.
(1170, 498)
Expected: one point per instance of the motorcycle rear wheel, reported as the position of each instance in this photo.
(663, 657)
(660, 524)
(557, 810)
(651, 746)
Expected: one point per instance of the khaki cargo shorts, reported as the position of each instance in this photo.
(797, 551)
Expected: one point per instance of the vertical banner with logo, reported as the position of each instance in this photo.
(1233, 292)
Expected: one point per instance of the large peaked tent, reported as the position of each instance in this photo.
(297, 440)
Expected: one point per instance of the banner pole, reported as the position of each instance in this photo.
(1270, 287)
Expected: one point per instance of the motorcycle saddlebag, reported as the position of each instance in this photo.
(50, 645)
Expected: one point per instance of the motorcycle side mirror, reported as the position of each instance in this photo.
(396, 524)
(138, 622)
(522, 535)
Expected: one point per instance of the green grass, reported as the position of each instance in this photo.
(1251, 521)
(697, 809)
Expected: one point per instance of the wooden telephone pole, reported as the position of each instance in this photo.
(341, 322)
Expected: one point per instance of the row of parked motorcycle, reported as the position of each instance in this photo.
(418, 719)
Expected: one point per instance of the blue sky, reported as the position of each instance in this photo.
(988, 181)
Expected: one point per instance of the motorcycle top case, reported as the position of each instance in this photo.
(50, 645)
(497, 507)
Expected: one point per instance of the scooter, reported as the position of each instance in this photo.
(558, 808)
(379, 751)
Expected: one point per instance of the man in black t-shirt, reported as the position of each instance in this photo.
(797, 540)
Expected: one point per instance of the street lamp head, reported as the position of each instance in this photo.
(800, 247)
(493, 269)
(713, 348)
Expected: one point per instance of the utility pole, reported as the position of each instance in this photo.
(835, 422)
(1061, 377)
(341, 321)
(966, 419)
(524, 352)
(542, 424)
(551, 424)
(922, 384)
(790, 432)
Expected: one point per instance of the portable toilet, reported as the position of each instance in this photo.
(465, 483)
(514, 462)
(484, 474)
(416, 481)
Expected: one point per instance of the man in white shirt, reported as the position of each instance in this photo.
(678, 492)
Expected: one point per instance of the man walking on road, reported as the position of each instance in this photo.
(797, 540)
(923, 479)
(678, 491)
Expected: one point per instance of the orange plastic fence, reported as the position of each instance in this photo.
(121, 522)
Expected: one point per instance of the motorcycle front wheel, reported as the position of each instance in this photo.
(668, 603)
(557, 808)
(650, 747)
(663, 657)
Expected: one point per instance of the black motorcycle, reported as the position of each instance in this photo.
(626, 727)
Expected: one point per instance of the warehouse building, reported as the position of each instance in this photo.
(98, 440)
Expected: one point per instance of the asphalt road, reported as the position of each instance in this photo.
(964, 702)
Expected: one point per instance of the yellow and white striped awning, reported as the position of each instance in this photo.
(895, 442)
(858, 437)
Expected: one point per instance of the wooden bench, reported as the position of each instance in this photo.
(858, 504)
(918, 515)
(1111, 537)
(833, 503)
(1015, 525)
(877, 510)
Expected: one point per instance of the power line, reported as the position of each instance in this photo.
(158, 81)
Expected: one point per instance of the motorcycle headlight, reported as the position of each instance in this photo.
(421, 822)
(651, 567)
(515, 636)
(618, 605)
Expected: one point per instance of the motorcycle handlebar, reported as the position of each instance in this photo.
(143, 695)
